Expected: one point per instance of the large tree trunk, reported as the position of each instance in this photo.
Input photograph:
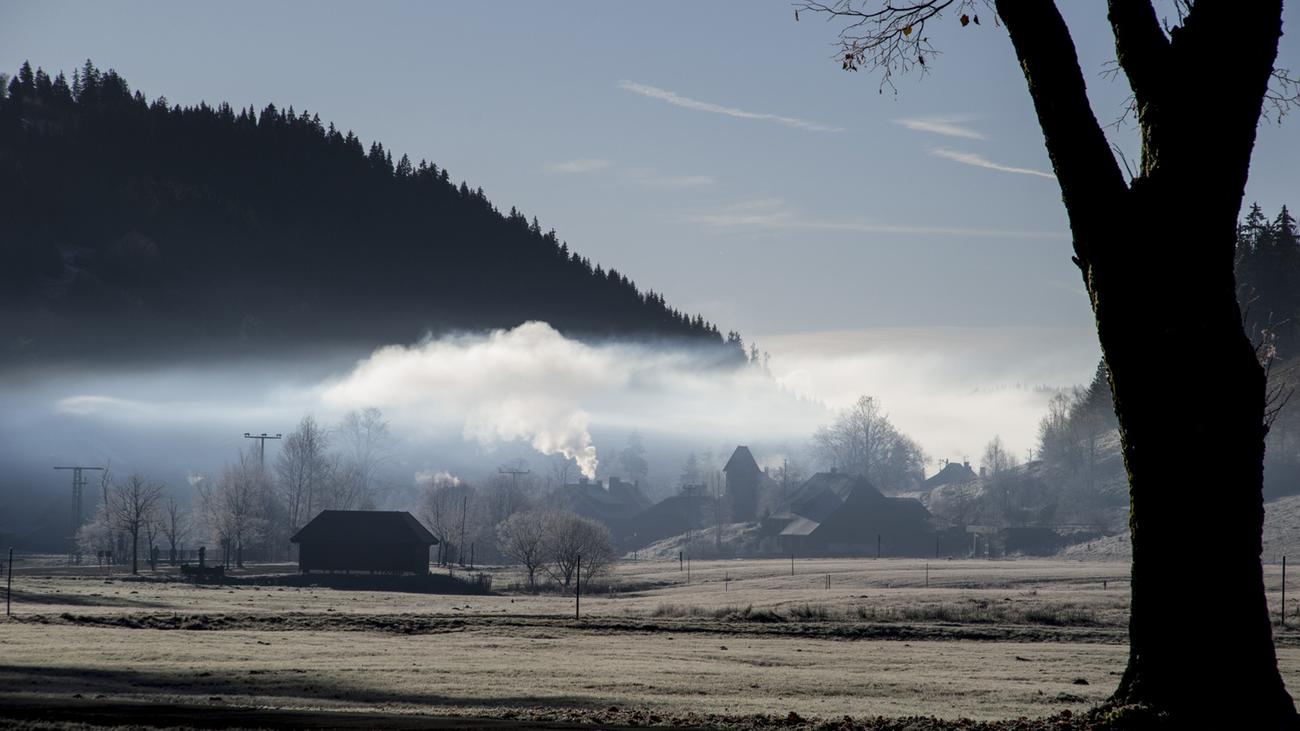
(1156, 255)
(1190, 397)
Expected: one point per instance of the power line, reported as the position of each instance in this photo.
(514, 473)
(78, 486)
(261, 445)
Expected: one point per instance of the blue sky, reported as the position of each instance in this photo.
(712, 151)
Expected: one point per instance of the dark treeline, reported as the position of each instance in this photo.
(1077, 437)
(1268, 279)
(132, 224)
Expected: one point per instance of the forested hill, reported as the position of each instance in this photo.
(134, 226)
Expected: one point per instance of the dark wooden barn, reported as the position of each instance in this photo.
(838, 514)
(374, 541)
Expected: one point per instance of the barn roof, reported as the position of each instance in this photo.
(741, 459)
(835, 497)
(801, 527)
(369, 526)
(592, 500)
(827, 492)
(952, 473)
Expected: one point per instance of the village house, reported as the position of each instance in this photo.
(365, 541)
(834, 513)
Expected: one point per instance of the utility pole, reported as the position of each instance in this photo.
(9, 585)
(78, 486)
(577, 590)
(514, 473)
(460, 547)
(261, 445)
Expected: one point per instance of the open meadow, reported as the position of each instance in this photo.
(856, 637)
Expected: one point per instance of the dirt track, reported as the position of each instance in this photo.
(104, 714)
(426, 624)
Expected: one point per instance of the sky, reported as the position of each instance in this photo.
(714, 152)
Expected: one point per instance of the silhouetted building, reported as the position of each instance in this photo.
(834, 513)
(672, 516)
(374, 541)
(953, 473)
(608, 503)
(743, 477)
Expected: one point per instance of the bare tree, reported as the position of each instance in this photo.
(97, 536)
(366, 448)
(175, 526)
(691, 470)
(997, 459)
(232, 507)
(568, 537)
(444, 496)
(522, 538)
(789, 475)
(504, 495)
(863, 441)
(302, 470)
(131, 505)
(1155, 249)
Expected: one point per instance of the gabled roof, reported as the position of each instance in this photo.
(365, 526)
(837, 500)
(800, 527)
(826, 492)
(952, 473)
(593, 500)
(742, 460)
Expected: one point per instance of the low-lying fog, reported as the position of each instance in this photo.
(466, 404)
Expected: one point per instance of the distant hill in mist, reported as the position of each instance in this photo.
(137, 228)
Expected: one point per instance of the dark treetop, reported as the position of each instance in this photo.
(134, 227)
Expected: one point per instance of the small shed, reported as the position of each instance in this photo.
(373, 541)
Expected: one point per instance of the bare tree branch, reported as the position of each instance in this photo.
(887, 37)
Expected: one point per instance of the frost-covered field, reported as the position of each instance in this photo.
(984, 639)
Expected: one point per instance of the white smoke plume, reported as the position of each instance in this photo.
(530, 383)
(952, 389)
(424, 477)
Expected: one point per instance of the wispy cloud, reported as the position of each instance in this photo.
(674, 181)
(675, 99)
(583, 165)
(766, 213)
(770, 214)
(979, 161)
(950, 126)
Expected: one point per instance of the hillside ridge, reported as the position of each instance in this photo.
(137, 226)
